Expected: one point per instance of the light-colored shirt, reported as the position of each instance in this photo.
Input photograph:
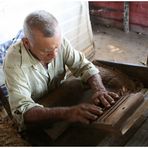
(27, 80)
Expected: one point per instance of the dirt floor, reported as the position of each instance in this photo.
(115, 45)
(8, 132)
(110, 44)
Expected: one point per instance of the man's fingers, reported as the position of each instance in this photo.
(113, 95)
(91, 117)
(105, 102)
(92, 112)
(96, 101)
(96, 110)
(106, 98)
(93, 109)
(97, 98)
(88, 113)
(109, 98)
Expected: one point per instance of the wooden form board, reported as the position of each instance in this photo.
(115, 119)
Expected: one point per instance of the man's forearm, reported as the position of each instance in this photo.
(39, 115)
(96, 83)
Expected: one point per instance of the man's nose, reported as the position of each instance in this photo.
(53, 52)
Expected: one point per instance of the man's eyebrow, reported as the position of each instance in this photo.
(47, 49)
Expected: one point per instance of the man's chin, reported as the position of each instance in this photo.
(50, 60)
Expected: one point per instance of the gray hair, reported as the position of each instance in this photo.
(41, 20)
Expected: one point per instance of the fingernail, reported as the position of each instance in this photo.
(117, 96)
(108, 106)
(112, 102)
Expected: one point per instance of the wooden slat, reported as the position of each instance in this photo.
(140, 138)
(121, 140)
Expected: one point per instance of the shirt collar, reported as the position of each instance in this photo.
(28, 60)
(27, 57)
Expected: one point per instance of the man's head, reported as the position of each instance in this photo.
(42, 35)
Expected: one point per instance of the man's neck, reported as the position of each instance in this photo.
(45, 65)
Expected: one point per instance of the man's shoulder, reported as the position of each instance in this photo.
(66, 43)
(13, 56)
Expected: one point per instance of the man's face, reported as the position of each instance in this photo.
(45, 49)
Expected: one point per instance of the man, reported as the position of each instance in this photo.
(36, 65)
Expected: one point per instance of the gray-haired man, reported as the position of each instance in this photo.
(36, 65)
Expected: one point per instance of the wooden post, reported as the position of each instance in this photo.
(147, 61)
(126, 17)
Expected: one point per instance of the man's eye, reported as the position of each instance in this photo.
(42, 50)
(46, 50)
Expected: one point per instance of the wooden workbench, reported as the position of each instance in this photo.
(84, 135)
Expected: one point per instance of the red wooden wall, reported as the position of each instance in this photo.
(139, 13)
(112, 13)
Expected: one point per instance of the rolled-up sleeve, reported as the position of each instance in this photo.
(77, 63)
(19, 93)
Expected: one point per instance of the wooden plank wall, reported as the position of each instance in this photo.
(111, 13)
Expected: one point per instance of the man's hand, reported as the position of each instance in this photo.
(101, 95)
(104, 97)
(84, 113)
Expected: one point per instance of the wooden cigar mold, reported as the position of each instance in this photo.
(113, 118)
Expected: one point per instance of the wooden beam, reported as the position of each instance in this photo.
(126, 17)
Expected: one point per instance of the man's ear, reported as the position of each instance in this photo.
(26, 43)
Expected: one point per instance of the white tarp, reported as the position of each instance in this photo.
(72, 15)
